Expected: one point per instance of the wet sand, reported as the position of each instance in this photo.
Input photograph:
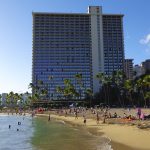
(118, 146)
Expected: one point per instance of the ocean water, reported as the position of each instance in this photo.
(56, 135)
(41, 134)
(11, 139)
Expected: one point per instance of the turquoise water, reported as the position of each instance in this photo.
(41, 134)
(56, 135)
(11, 139)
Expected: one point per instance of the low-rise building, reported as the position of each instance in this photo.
(3, 99)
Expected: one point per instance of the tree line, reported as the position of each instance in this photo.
(115, 91)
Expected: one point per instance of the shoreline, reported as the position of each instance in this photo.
(10, 114)
(123, 137)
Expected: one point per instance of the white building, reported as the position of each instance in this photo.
(4, 95)
(138, 70)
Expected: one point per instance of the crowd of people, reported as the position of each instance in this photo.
(97, 113)
(102, 113)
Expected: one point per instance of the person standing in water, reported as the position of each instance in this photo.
(9, 126)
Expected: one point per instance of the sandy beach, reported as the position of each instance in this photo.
(123, 136)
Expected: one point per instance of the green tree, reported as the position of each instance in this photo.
(51, 80)
(89, 93)
(102, 81)
(117, 82)
(79, 80)
(69, 90)
(59, 90)
(105, 82)
(129, 87)
(0, 99)
(7, 100)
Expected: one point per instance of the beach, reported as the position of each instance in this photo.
(123, 135)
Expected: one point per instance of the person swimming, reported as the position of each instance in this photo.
(9, 126)
(19, 123)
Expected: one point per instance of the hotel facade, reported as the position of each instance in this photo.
(128, 68)
(66, 44)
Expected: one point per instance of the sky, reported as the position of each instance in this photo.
(16, 33)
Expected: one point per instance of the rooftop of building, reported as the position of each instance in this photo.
(72, 13)
(129, 59)
(57, 13)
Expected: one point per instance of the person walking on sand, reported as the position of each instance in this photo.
(84, 121)
(142, 116)
(49, 118)
(105, 116)
(97, 118)
(139, 113)
(66, 113)
(76, 115)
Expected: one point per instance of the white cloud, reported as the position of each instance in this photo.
(145, 40)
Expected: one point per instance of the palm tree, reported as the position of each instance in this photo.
(34, 99)
(146, 81)
(11, 96)
(59, 90)
(16, 98)
(118, 79)
(102, 80)
(0, 102)
(0, 99)
(50, 77)
(44, 92)
(29, 101)
(147, 97)
(90, 94)
(140, 85)
(107, 85)
(101, 77)
(69, 90)
(21, 100)
(129, 87)
(40, 82)
(67, 82)
(144, 86)
(78, 77)
(7, 100)
(31, 86)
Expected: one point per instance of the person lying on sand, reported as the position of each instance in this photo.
(147, 117)
(129, 117)
(114, 115)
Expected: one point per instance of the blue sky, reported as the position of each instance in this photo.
(16, 33)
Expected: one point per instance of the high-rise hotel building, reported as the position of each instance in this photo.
(65, 44)
(128, 68)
